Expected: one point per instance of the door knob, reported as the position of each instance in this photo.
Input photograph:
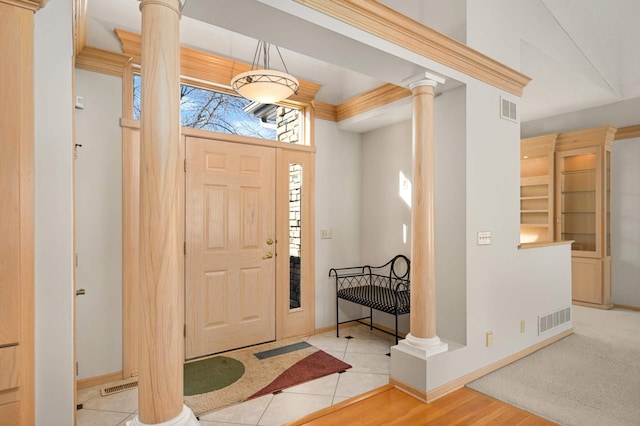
(269, 241)
(80, 292)
(269, 255)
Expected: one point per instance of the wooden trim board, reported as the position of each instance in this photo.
(384, 22)
(628, 132)
(90, 382)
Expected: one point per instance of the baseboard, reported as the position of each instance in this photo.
(593, 305)
(90, 382)
(331, 328)
(408, 389)
(445, 389)
(352, 324)
(627, 307)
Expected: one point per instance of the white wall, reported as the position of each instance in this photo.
(99, 224)
(625, 175)
(620, 114)
(338, 208)
(625, 249)
(504, 285)
(386, 153)
(451, 214)
(447, 17)
(54, 372)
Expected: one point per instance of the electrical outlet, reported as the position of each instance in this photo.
(522, 325)
(326, 234)
(484, 238)
(489, 338)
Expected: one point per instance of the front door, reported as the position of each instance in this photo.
(230, 250)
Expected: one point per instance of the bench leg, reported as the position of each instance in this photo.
(370, 318)
(337, 320)
(396, 328)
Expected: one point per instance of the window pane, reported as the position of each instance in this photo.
(295, 237)
(222, 112)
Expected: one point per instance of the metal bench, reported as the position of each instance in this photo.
(384, 288)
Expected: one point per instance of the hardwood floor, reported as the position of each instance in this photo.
(390, 406)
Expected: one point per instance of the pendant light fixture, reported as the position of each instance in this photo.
(265, 85)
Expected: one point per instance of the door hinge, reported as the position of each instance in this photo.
(76, 368)
(76, 260)
(185, 330)
(185, 166)
(185, 248)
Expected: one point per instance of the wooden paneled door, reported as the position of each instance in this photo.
(230, 246)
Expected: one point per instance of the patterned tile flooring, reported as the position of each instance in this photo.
(366, 352)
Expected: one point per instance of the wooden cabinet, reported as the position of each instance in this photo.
(583, 210)
(536, 188)
(16, 215)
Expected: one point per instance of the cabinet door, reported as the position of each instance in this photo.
(586, 281)
(578, 193)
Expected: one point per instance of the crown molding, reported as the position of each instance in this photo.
(372, 99)
(595, 136)
(102, 61)
(34, 5)
(324, 111)
(538, 145)
(199, 65)
(384, 22)
(628, 132)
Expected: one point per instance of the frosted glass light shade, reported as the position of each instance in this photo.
(265, 86)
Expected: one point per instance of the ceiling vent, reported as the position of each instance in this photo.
(508, 110)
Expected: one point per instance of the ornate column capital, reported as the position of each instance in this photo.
(423, 79)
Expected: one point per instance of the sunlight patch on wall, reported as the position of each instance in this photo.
(404, 189)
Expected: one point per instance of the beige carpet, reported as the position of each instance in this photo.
(589, 378)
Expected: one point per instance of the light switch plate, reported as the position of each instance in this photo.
(484, 238)
(326, 234)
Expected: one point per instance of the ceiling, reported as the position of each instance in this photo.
(579, 53)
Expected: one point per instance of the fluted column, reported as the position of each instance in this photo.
(423, 273)
(161, 346)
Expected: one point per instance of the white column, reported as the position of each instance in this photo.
(161, 346)
(423, 283)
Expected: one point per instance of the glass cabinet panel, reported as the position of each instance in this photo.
(578, 206)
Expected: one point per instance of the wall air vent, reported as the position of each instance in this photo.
(553, 320)
(508, 110)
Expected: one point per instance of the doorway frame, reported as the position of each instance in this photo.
(289, 323)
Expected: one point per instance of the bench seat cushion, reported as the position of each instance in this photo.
(376, 297)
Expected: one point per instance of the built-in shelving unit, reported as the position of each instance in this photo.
(583, 210)
(536, 189)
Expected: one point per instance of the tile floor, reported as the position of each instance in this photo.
(366, 353)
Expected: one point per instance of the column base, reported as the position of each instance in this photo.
(185, 418)
(409, 359)
(431, 346)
